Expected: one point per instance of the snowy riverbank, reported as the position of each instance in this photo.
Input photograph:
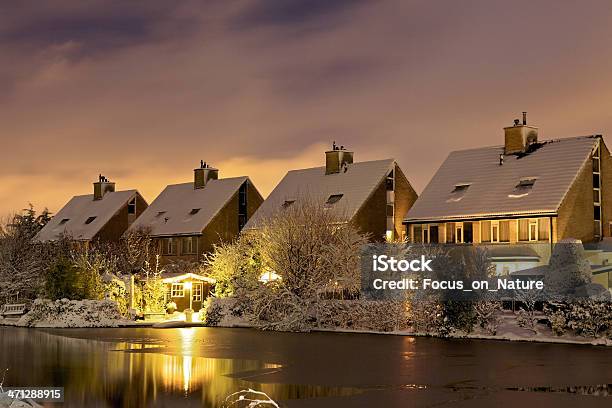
(69, 313)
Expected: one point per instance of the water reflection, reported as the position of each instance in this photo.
(137, 374)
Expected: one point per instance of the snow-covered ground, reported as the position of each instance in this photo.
(69, 313)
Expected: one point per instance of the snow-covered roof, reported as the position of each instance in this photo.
(182, 210)
(83, 217)
(355, 185)
(492, 188)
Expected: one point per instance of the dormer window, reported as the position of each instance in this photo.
(333, 199)
(523, 187)
(288, 203)
(194, 211)
(90, 220)
(458, 192)
(65, 220)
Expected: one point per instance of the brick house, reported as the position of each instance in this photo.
(375, 195)
(524, 195)
(104, 215)
(187, 219)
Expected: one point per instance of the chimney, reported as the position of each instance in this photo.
(337, 159)
(518, 137)
(102, 186)
(203, 175)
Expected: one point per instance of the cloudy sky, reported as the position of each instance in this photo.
(142, 90)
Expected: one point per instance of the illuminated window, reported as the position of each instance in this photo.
(197, 292)
(178, 290)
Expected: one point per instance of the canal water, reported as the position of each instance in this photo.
(199, 367)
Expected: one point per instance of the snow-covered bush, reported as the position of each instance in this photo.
(71, 313)
(527, 320)
(487, 315)
(427, 316)
(374, 315)
(150, 291)
(212, 311)
(590, 318)
(556, 313)
(115, 290)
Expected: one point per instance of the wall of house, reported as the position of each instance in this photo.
(119, 223)
(575, 218)
(405, 196)
(606, 190)
(372, 216)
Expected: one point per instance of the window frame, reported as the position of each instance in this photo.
(196, 292)
(533, 223)
(168, 246)
(177, 288)
(131, 207)
(333, 199)
(495, 238)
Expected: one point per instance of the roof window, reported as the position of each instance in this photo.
(90, 220)
(65, 220)
(288, 203)
(458, 192)
(523, 187)
(194, 211)
(333, 199)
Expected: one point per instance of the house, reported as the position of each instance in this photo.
(375, 195)
(188, 290)
(187, 219)
(104, 215)
(527, 194)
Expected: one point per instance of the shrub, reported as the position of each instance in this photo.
(372, 315)
(61, 280)
(212, 312)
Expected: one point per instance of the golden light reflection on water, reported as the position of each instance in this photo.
(128, 374)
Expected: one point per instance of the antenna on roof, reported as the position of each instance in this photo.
(524, 118)
(334, 147)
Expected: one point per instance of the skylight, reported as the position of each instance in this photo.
(523, 187)
(194, 211)
(333, 199)
(90, 220)
(287, 203)
(458, 192)
(65, 220)
(160, 213)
